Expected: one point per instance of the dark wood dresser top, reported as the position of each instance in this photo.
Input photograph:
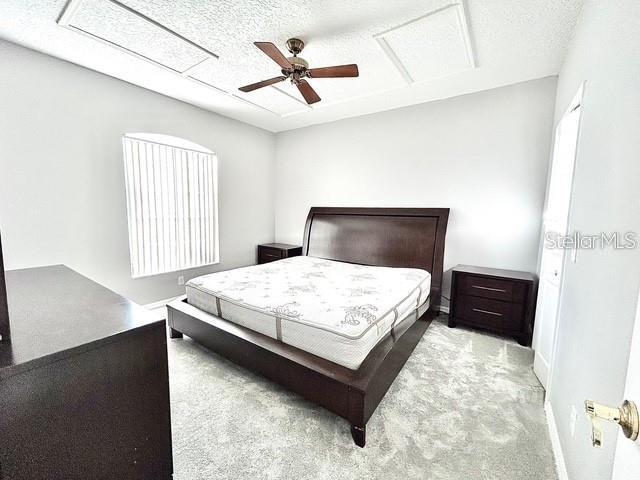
(281, 246)
(56, 312)
(495, 272)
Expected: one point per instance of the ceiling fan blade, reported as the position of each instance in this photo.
(276, 55)
(332, 72)
(308, 92)
(264, 83)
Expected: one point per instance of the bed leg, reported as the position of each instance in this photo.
(359, 434)
(174, 333)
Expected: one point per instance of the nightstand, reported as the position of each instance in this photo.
(270, 252)
(500, 301)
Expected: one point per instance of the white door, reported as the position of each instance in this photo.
(556, 221)
(626, 465)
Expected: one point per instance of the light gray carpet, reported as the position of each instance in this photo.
(465, 406)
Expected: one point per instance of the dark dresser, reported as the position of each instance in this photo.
(84, 388)
(500, 301)
(4, 311)
(270, 252)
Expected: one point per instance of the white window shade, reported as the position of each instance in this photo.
(172, 205)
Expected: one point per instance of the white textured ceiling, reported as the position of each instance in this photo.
(408, 51)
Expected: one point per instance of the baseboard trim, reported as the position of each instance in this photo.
(160, 303)
(541, 369)
(561, 466)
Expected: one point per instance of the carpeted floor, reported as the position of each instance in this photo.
(466, 406)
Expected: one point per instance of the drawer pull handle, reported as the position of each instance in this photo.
(489, 288)
(487, 312)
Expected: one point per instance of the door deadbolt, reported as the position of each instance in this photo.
(626, 416)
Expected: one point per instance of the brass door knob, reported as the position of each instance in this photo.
(626, 416)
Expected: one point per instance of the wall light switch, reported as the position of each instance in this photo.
(180, 279)
(572, 420)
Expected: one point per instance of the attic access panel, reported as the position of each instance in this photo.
(122, 27)
(431, 46)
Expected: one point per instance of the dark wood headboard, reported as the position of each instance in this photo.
(388, 237)
(4, 311)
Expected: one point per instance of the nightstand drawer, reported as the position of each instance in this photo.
(270, 253)
(487, 287)
(268, 257)
(490, 313)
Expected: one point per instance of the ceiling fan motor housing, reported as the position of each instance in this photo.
(299, 64)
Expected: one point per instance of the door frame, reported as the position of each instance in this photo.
(623, 465)
(576, 102)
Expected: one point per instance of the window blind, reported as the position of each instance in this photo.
(171, 205)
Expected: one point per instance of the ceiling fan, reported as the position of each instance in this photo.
(296, 69)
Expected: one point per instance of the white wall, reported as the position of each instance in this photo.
(600, 290)
(62, 197)
(483, 155)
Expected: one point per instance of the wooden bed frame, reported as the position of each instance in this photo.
(393, 237)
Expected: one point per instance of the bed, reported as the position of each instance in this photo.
(337, 324)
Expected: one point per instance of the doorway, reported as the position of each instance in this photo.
(555, 228)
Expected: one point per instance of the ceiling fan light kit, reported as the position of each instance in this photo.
(296, 69)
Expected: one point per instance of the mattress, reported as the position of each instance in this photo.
(335, 310)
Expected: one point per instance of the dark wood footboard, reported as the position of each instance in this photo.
(351, 394)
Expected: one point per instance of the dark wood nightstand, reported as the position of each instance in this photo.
(270, 252)
(501, 301)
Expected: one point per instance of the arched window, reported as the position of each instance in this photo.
(172, 203)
